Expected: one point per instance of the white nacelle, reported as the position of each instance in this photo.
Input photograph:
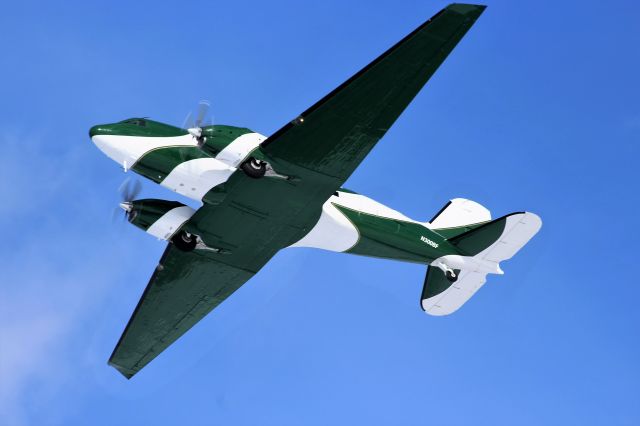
(169, 223)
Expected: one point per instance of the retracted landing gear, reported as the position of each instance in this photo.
(449, 273)
(187, 242)
(451, 276)
(184, 241)
(256, 169)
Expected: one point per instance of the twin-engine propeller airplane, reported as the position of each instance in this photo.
(261, 194)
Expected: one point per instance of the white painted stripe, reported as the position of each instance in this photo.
(450, 300)
(239, 148)
(170, 222)
(518, 230)
(194, 178)
(461, 212)
(129, 149)
(367, 205)
(333, 231)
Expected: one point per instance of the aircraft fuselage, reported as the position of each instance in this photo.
(174, 158)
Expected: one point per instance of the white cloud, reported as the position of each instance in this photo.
(54, 274)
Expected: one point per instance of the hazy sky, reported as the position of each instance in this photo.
(537, 109)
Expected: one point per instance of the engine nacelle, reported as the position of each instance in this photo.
(229, 145)
(160, 218)
(216, 138)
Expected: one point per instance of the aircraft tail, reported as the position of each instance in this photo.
(459, 216)
(452, 280)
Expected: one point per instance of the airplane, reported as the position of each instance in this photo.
(262, 194)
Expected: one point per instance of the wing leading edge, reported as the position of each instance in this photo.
(334, 135)
(322, 147)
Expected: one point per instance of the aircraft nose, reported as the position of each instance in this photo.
(106, 138)
(100, 129)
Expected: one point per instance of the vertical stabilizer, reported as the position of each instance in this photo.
(459, 216)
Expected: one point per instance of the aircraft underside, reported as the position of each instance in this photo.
(262, 194)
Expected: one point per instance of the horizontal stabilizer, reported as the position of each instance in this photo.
(485, 247)
(499, 239)
(441, 297)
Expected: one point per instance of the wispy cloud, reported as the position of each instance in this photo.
(51, 278)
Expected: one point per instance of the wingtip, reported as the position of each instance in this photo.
(128, 374)
(466, 8)
(534, 219)
(433, 309)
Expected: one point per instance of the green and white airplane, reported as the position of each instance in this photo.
(262, 194)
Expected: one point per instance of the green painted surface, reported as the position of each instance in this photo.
(478, 239)
(147, 211)
(334, 135)
(251, 219)
(137, 127)
(394, 239)
(217, 137)
(452, 232)
(254, 218)
(158, 163)
(183, 289)
(435, 282)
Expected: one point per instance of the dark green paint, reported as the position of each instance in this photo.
(334, 135)
(394, 239)
(473, 242)
(158, 163)
(133, 127)
(146, 212)
(183, 289)
(468, 243)
(452, 232)
(254, 218)
(217, 137)
(435, 282)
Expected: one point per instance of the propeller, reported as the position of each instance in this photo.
(129, 190)
(195, 127)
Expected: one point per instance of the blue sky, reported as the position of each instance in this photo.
(537, 109)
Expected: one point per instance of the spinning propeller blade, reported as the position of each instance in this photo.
(203, 108)
(195, 127)
(129, 190)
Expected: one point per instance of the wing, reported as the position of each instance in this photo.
(183, 289)
(334, 135)
(251, 219)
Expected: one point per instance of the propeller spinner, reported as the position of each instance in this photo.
(129, 190)
(195, 127)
